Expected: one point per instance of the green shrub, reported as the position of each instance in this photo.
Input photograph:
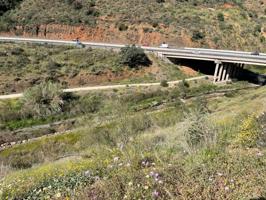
(43, 100)
(220, 17)
(164, 83)
(89, 104)
(21, 162)
(134, 56)
(17, 51)
(128, 127)
(200, 104)
(198, 35)
(147, 30)
(92, 11)
(6, 5)
(122, 27)
(200, 133)
(184, 88)
(22, 61)
(155, 24)
(77, 4)
(257, 29)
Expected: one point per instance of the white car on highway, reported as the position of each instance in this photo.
(164, 45)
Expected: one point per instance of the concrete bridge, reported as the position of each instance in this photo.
(228, 64)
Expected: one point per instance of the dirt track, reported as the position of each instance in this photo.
(108, 87)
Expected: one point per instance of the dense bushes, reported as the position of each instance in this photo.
(43, 100)
(6, 5)
(122, 27)
(200, 133)
(68, 12)
(89, 104)
(48, 99)
(220, 17)
(134, 57)
(164, 83)
(198, 35)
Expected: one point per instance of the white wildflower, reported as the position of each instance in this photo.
(116, 159)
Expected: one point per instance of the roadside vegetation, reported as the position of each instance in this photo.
(194, 140)
(25, 65)
(134, 57)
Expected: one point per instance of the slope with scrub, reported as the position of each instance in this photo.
(234, 24)
(205, 148)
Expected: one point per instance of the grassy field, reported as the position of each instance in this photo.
(24, 65)
(157, 143)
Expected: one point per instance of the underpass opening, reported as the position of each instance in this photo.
(252, 77)
(204, 67)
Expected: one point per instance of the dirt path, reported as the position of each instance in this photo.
(108, 87)
(213, 94)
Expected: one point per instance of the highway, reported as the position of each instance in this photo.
(226, 56)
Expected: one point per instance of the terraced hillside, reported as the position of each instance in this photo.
(232, 24)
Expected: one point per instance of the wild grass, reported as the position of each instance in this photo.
(175, 151)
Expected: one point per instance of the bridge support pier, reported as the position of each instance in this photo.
(221, 73)
(217, 69)
(228, 72)
(224, 72)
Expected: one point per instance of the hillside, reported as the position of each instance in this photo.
(193, 141)
(25, 65)
(187, 139)
(236, 24)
